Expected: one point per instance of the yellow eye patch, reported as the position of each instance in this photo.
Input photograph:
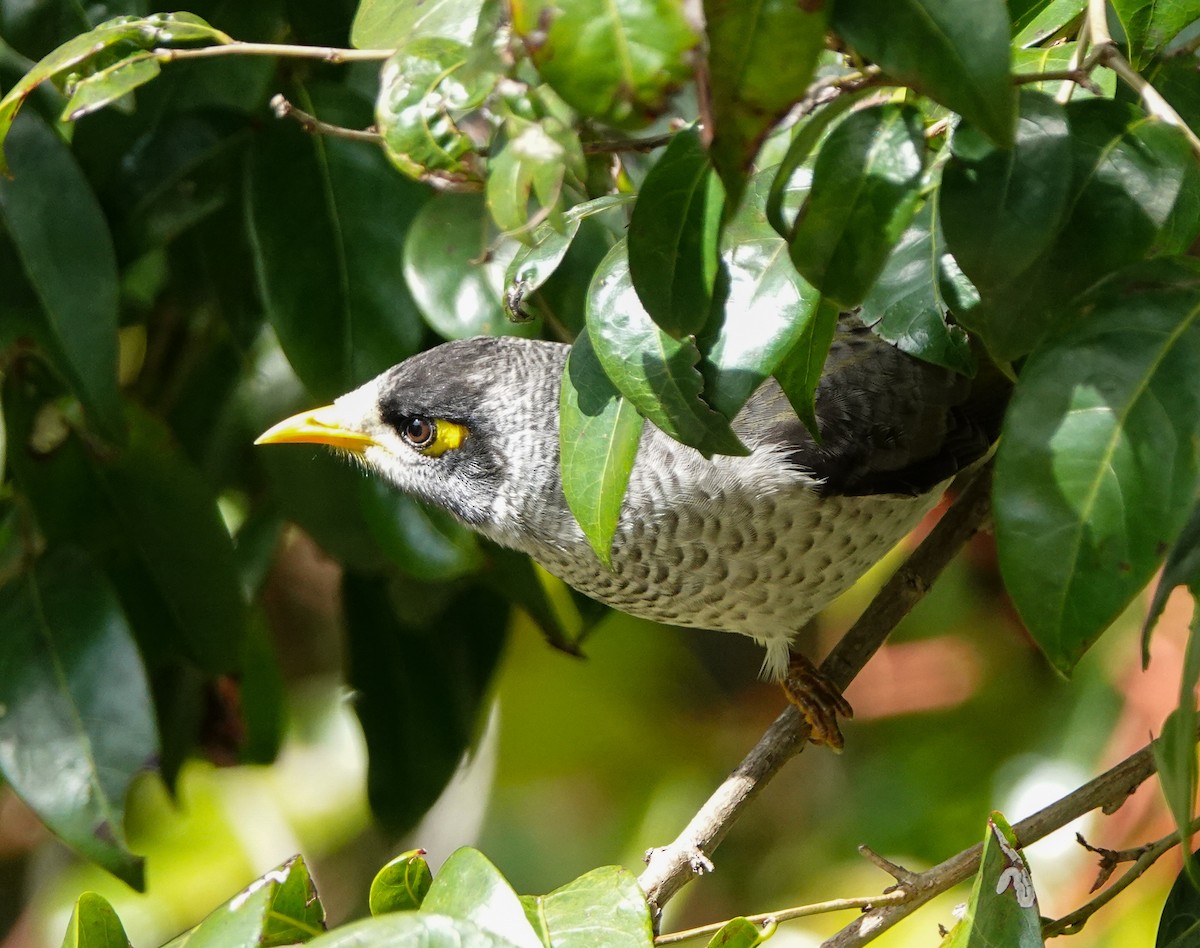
(445, 436)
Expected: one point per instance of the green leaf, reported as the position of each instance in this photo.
(673, 237)
(1097, 469)
(1181, 569)
(908, 304)
(614, 62)
(67, 252)
(424, 90)
(954, 51)
(328, 221)
(602, 907)
(110, 84)
(1041, 20)
(800, 370)
(761, 57)
(421, 681)
(865, 189)
(426, 543)
(94, 924)
(1179, 926)
(388, 24)
(77, 725)
(599, 433)
(1055, 59)
(765, 306)
(454, 262)
(412, 930)
(470, 888)
(1150, 25)
(742, 933)
(1003, 911)
(656, 373)
(1175, 752)
(533, 164)
(402, 884)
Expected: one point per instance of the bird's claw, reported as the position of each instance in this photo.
(819, 700)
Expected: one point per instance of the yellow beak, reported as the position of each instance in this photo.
(319, 426)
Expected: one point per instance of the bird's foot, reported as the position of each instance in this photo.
(818, 699)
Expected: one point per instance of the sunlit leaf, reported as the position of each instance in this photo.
(469, 887)
(387, 24)
(402, 884)
(604, 906)
(1150, 25)
(110, 84)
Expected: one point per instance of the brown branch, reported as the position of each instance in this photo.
(617, 145)
(671, 867)
(1079, 76)
(314, 126)
(327, 54)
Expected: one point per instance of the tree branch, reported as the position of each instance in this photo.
(328, 54)
(314, 126)
(671, 867)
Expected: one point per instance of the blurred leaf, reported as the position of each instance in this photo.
(62, 237)
(765, 307)
(656, 373)
(602, 907)
(94, 924)
(1055, 59)
(1179, 926)
(423, 90)
(741, 933)
(418, 929)
(518, 579)
(387, 24)
(420, 688)
(761, 58)
(77, 724)
(673, 237)
(1175, 752)
(328, 221)
(1181, 569)
(1097, 470)
(470, 888)
(402, 884)
(279, 908)
(954, 51)
(800, 370)
(615, 63)
(110, 84)
(1003, 910)
(864, 191)
(161, 29)
(1150, 25)
(599, 433)
(262, 695)
(455, 261)
(908, 306)
(426, 543)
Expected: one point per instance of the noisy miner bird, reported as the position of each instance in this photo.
(756, 544)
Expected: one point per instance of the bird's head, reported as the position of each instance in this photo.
(469, 426)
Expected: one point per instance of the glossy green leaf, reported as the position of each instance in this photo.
(865, 189)
(672, 242)
(161, 29)
(470, 888)
(761, 57)
(1097, 470)
(765, 306)
(599, 433)
(77, 725)
(614, 62)
(67, 252)
(742, 933)
(531, 167)
(1150, 25)
(908, 304)
(424, 89)
(1179, 926)
(402, 884)
(110, 84)
(94, 924)
(658, 374)
(1003, 910)
(800, 370)
(328, 221)
(601, 907)
(420, 682)
(1039, 21)
(412, 930)
(455, 261)
(389, 24)
(279, 908)
(954, 51)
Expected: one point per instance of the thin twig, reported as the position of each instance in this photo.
(328, 54)
(617, 145)
(671, 867)
(1076, 75)
(1145, 857)
(310, 123)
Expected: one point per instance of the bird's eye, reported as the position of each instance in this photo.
(419, 432)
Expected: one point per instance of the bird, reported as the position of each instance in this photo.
(755, 544)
